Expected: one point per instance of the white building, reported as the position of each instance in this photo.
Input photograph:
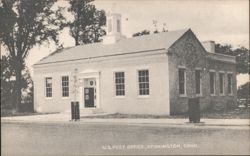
(149, 74)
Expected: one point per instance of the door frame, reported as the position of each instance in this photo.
(86, 75)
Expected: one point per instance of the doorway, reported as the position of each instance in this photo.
(89, 92)
(89, 97)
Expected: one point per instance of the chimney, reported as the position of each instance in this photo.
(209, 46)
(113, 29)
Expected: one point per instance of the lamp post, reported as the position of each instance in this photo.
(75, 112)
(75, 84)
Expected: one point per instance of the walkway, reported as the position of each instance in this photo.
(64, 118)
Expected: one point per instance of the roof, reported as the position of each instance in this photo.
(221, 57)
(157, 41)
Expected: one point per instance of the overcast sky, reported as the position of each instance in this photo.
(224, 21)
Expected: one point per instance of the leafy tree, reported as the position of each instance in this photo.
(241, 54)
(28, 23)
(8, 82)
(144, 32)
(87, 23)
(7, 85)
(224, 49)
(243, 92)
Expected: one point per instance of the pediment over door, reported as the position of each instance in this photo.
(88, 73)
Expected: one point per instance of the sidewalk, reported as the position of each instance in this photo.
(65, 118)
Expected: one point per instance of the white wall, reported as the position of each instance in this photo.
(156, 103)
(55, 104)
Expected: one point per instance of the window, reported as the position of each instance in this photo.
(229, 83)
(221, 80)
(212, 82)
(143, 76)
(118, 26)
(120, 84)
(48, 86)
(182, 81)
(198, 81)
(109, 25)
(65, 86)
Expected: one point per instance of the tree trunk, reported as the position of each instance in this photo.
(18, 87)
(76, 37)
(76, 41)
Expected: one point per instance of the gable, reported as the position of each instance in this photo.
(188, 51)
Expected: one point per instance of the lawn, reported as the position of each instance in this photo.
(8, 112)
(239, 113)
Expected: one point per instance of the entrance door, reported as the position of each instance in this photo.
(89, 97)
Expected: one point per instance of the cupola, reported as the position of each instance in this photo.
(113, 29)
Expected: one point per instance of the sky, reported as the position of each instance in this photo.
(223, 21)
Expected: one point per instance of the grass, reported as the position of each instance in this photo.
(131, 116)
(8, 113)
(239, 113)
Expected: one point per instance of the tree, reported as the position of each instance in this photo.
(147, 32)
(241, 54)
(242, 60)
(87, 23)
(29, 23)
(144, 32)
(8, 82)
(243, 92)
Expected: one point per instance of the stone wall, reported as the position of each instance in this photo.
(188, 53)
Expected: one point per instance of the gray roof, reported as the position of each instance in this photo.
(130, 45)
